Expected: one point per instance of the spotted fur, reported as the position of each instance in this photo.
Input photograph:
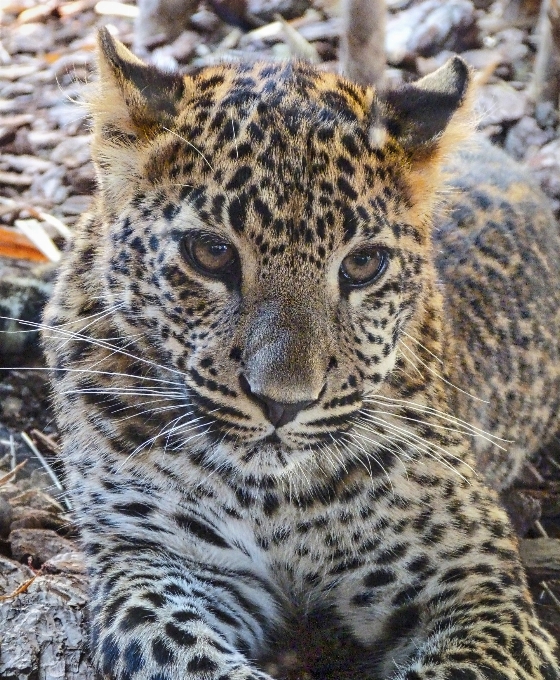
(358, 537)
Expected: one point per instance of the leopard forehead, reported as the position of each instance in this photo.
(282, 155)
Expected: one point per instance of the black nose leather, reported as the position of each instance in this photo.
(279, 413)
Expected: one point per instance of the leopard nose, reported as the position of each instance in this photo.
(279, 413)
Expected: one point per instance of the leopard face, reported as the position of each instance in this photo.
(269, 243)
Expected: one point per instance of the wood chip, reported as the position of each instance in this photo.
(541, 557)
(12, 473)
(36, 233)
(15, 179)
(15, 245)
(116, 9)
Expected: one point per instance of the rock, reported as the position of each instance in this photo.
(82, 180)
(43, 139)
(429, 27)
(523, 510)
(75, 205)
(69, 563)
(9, 490)
(545, 165)
(12, 575)
(37, 499)
(44, 630)
(546, 115)
(183, 48)
(499, 103)
(25, 163)
(6, 517)
(541, 557)
(50, 185)
(264, 10)
(525, 138)
(72, 152)
(24, 290)
(204, 20)
(30, 518)
(38, 545)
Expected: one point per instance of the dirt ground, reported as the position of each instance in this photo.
(47, 180)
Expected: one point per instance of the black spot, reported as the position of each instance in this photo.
(109, 654)
(349, 143)
(162, 654)
(201, 664)
(412, 675)
(180, 636)
(271, 504)
(174, 589)
(548, 671)
(134, 509)
(155, 598)
(237, 212)
(136, 616)
(264, 212)
(402, 622)
(200, 530)
(344, 165)
(420, 563)
(184, 616)
(462, 674)
(378, 578)
(133, 658)
(346, 188)
(350, 223)
(241, 177)
(170, 211)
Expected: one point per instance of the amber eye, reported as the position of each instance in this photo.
(363, 266)
(210, 255)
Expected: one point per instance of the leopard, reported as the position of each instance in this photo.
(307, 333)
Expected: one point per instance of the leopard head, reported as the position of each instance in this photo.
(268, 232)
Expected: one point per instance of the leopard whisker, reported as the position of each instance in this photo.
(412, 405)
(369, 418)
(160, 409)
(97, 317)
(96, 343)
(198, 151)
(432, 450)
(369, 455)
(438, 375)
(423, 347)
(463, 430)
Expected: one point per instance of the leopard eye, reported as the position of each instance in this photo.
(210, 255)
(363, 266)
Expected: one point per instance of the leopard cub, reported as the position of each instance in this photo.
(290, 383)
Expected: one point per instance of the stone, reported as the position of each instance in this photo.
(24, 290)
(38, 545)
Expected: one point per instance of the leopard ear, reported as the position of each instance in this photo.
(417, 115)
(132, 98)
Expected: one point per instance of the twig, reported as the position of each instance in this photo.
(539, 527)
(27, 439)
(12, 473)
(544, 585)
(19, 590)
(553, 462)
(536, 474)
(49, 442)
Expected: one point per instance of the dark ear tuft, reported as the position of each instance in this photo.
(151, 95)
(416, 115)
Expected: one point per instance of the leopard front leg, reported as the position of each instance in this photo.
(157, 617)
(441, 594)
(179, 589)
